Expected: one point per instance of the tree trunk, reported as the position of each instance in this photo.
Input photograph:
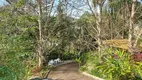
(40, 52)
(137, 38)
(99, 22)
(131, 26)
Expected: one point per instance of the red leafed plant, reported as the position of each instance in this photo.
(137, 57)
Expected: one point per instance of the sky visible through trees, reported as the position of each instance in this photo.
(78, 11)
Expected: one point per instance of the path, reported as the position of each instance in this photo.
(68, 72)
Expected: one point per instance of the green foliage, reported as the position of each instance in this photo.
(116, 65)
(137, 69)
(84, 57)
(13, 70)
(69, 56)
(91, 60)
(17, 43)
(6, 73)
(78, 61)
(20, 3)
(114, 68)
(67, 35)
(15, 52)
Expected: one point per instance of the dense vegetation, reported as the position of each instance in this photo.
(115, 65)
(32, 32)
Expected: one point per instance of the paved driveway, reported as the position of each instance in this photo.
(68, 72)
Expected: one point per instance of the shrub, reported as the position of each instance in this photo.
(120, 68)
(115, 65)
(91, 60)
(14, 70)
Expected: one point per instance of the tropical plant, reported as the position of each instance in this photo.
(119, 66)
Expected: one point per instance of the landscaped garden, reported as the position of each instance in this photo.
(95, 39)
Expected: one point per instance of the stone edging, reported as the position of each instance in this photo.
(95, 78)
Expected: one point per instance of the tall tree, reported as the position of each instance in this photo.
(99, 23)
(96, 9)
(40, 42)
(131, 29)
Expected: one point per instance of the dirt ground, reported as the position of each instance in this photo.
(68, 72)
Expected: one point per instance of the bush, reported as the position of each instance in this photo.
(17, 50)
(115, 65)
(14, 70)
(69, 56)
(91, 60)
(119, 67)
